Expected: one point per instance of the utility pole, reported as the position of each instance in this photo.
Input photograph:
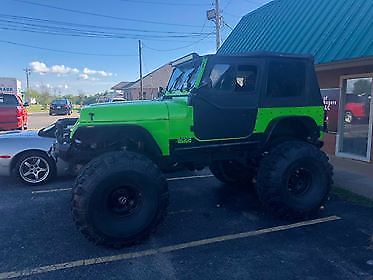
(215, 16)
(140, 60)
(217, 24)
(28, 72)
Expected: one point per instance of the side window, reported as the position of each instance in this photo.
(286, 79)
(246, 78)
(222, 77)
(230, 78)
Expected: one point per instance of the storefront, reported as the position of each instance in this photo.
(347, 94)
(354, 134)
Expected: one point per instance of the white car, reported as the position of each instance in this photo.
(24, 154)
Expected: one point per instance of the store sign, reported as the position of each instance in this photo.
(331, 105)
(7, 90)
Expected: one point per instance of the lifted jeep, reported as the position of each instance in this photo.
(254, 117)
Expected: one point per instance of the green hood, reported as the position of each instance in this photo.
(130, 111)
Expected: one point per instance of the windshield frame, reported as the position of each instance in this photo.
(189, 73)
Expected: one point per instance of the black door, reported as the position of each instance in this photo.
(228, 105)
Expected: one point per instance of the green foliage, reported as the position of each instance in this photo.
(44, 98)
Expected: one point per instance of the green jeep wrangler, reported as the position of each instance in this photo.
(255, 119)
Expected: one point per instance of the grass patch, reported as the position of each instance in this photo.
(35, 108)
(352, 197)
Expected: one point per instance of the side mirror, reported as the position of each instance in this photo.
(26, 104)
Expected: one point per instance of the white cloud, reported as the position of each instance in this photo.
(84, 76)
(39, 67)
(101, 73)
(63, 70)
(42, 69)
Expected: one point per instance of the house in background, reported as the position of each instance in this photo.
(339, 34)
(151, 84)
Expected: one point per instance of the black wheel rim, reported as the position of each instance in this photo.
(300, 181)
(124, 201)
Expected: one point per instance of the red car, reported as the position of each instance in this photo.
(13, 114)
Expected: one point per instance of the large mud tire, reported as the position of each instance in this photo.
(294, 179)
(119, 199)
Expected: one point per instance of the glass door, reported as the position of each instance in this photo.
(354, 137)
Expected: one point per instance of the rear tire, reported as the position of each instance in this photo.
(119, 199)
(233, 173)
(294, 179)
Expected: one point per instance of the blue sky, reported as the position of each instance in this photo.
(73, 73)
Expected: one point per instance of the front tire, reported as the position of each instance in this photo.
(294, 179)
(119, 199)
(35, 168)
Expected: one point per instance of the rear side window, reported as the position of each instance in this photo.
(8, 100)
(286, 79)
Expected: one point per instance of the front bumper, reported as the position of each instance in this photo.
(60, 151)
(59, 111)
(62, 148)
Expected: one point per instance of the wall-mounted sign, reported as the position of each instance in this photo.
(331, 105)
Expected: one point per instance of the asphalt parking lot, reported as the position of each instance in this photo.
(42, 119)
(212, 231)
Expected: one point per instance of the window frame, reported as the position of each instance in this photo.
(235, 64)
(267, 101)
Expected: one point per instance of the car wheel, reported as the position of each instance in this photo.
(349, 118)
(35, 168)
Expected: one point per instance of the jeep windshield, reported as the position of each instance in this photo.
(183, 77)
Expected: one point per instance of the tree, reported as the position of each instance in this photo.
(362, 87)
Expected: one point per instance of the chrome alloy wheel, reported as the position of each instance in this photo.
(34, 169)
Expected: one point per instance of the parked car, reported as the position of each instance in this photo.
(60, 107)
(13, 114)
(357, 108)
(117, 99)
(24, 154)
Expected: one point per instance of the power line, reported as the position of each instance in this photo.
(165, 3)
(63, 23)
(103, 15)
(58, 30)
(63, 51)
(95, 36)
(179, 48)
